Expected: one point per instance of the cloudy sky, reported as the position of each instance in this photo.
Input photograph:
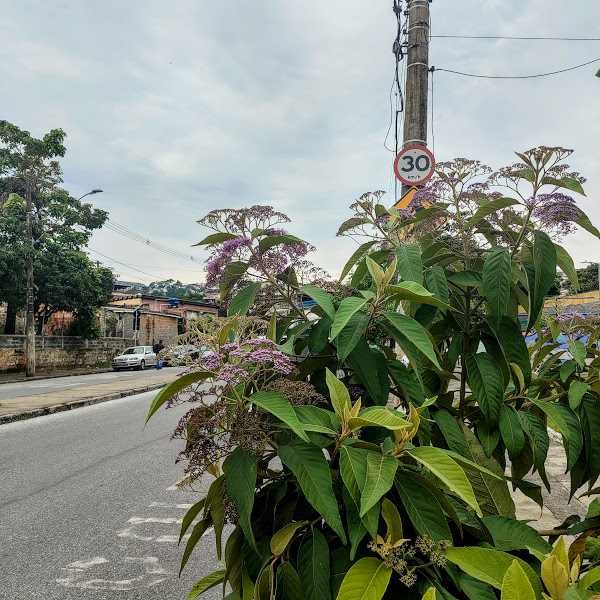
(177, 108)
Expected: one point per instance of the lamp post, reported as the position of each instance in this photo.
(30, 307)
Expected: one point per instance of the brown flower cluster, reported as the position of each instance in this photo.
(297, 393)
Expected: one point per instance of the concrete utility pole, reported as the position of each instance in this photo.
(417, 71)
(30, 314)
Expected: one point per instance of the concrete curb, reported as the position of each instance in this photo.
(53, 376)
(55, 408)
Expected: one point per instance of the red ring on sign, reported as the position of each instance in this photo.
(401, 154)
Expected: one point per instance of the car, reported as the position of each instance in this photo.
(181, 353)
(135, 357)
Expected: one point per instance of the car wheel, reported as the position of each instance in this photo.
(142, 365)
(116, 370)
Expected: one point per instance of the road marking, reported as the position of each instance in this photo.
(166, 505)
(165, 520)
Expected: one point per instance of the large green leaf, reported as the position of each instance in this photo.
(475, 589)
(313, 566)
(322, 298)
(392, 518)
(511, 431)
(435, 279)
(534, 427)
(415, 292)
(574, 443)
(282, 538)
(423, 508)
(206, 583)
(487, 383)
(358, 254)
(240, 476)
(450, 429)
(496, 281)
(511, 340)
(190, 515)
(277, 405)
(348, 306)
(319, 335)
(287, 583)
(410, 265)
(175, 387)
(488, 436)
(516, 585)
(353, 469)
(579, 351)
(310, 467)
(371, 369)
(544, 260)
(317, 419)
(576, 391)
(349, 336)
(244, 300)
(492, 493)
(234, 560)
(510, 534)
(379, 416)
(355, 525)
(338, 393)
(585, 222)
(466, 278)
(566, 265)
(362, 269)
(415, 332)
(447, 471)
(488, 209)
(380, 478)
(367, 579)
(490, 566)
(216, 238)
(197, 532)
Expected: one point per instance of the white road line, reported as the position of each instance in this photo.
(165, 520)
(165, 505)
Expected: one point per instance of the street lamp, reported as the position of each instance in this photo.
(96, 191)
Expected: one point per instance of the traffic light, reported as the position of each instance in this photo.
(136, 320)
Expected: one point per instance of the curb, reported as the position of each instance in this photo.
(55, 376)
(55, 408)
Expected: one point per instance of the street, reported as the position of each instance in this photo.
(89, 510)
(41, 386)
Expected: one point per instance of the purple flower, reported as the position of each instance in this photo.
(232, 374)
(556, 211)
(230, 246)
(381, 219)
(568, 316)
(211, 362)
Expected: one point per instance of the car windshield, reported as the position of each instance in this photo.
(139, 350)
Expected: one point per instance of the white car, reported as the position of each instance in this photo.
(136, 357)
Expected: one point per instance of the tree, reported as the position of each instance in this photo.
(557, 285)
(61, 226)
(587, 279)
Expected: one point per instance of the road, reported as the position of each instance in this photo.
(89, 510)
(41, 386)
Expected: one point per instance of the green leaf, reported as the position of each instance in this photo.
(415, 332)
(244, 300)
(317, 419)
(370, 368)
(566, 265)
(585, 222)
(589, 579)
(511, 431)
(313, 566)
(450, 430)
(234, 560)
(319, 335)
(435, 279)
(217, 513)
(287, 583)
(275, 240)
(265, 585)
(358, 254)
(474, 589)
(190, 515)
(355, 525)
(348, 306)
(511, 340)
(423, 509)
(197, 532)
(173, 388)
(576, 392)
(391, 516)
(572, 184)
(216, 238)
(338, 393)
(488, 436)
(410, 265)
(490, 566)
(349, 336)
(544, 260)
(447, 471)
(379, 416)
(466, 278)
(206, 583)
(367, 579)
(311, 468)
(488, 209)
(414, 292)
(496, 281)
(487, 383)
(429, 594)
(380, 478)
(579, 351)
(321, 297)
(241, 483)
(567, 369)
(510, 534)
(574, 443)
(516, 585)
(282, 538)
(353, 469)
(277, 405)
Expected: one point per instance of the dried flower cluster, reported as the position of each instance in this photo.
(297, 393)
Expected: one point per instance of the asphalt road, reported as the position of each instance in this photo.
(88, 507)
(41, 386)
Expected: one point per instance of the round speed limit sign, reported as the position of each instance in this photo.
(414, 165)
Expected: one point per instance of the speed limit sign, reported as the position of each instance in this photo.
(414, 165)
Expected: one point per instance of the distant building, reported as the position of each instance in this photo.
(121, 286)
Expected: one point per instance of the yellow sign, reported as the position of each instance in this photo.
(406, 199)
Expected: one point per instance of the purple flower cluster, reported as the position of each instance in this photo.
(565, 317)
(555, 211)
(232, 374)
(381, 220)
(211, 362)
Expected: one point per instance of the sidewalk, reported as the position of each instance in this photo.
(27, 407)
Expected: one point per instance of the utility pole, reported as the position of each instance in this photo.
(30, 315)
(417, 72)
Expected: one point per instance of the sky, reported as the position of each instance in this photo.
(178, 108)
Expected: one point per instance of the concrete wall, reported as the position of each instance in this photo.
(55, 352)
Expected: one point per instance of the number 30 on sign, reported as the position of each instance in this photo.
(414, 165)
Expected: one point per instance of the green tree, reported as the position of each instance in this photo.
(62, 226)
(587, 279)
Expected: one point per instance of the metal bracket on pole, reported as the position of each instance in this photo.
(409, 142)
(418, 63)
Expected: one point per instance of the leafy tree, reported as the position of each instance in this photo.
(587, 278)
(557, 285)
(331, 492)
(62, 226)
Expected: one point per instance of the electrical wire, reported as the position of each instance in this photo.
(432, 130)
(516, 76)
(124, 264)
(512, 37)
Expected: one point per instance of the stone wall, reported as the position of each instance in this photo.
(56, 352)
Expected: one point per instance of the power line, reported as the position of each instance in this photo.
(516, 76)
(124, 264)
(513, 37)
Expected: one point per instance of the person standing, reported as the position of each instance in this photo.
(157, 348)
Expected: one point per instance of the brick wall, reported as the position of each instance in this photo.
(155, 327)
